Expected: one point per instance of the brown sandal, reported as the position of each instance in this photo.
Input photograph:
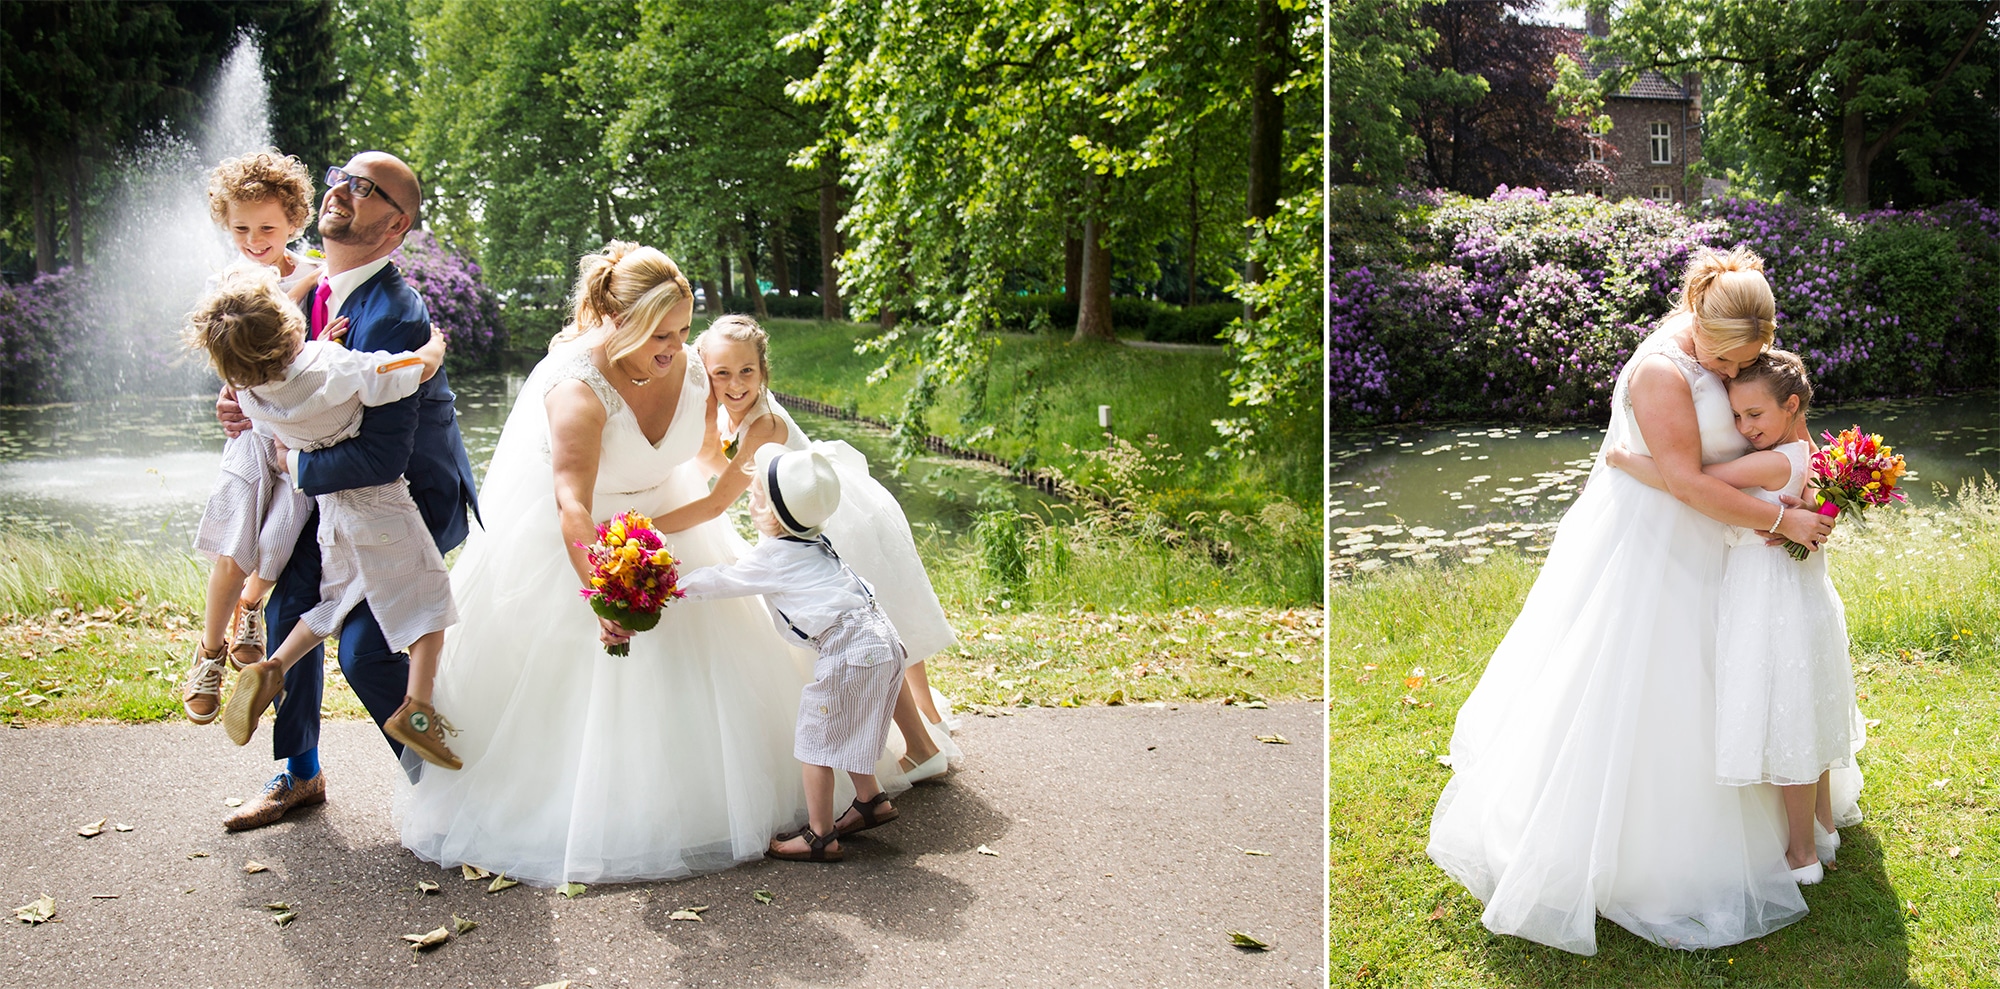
(869, 819)
(816, 850)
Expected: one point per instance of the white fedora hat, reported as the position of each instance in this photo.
(803, 488)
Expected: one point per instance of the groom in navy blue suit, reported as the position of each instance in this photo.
(369, 205)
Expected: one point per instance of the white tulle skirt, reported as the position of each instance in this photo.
(584, 767)
(1584, 761)
(1784, 688)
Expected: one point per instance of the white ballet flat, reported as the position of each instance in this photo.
(930, 768)
(953, 755)
(943, 705)
(1806, 875)
(1825, 843)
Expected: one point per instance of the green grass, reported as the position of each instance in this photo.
(1917, 898)
(95, 630)
(1041, 399)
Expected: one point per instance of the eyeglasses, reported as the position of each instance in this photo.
(360, 185)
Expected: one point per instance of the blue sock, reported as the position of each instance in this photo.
(305, 765)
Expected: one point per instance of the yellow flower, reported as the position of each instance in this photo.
(597, 582)
(629, 552)
(661, 558)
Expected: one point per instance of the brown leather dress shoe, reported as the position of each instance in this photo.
(281, 796)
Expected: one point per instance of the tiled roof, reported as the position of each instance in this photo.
(1649, 86)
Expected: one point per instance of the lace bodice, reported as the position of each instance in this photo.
(1719, 439)
(628, 463)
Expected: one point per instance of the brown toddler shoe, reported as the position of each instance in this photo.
(419, 726)
(257, 687)
(201, 692)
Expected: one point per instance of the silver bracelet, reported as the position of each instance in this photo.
(1781, 519)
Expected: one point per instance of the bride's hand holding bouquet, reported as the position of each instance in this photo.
(632, 577)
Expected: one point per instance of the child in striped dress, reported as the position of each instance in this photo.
(374, 546)
(816, 600)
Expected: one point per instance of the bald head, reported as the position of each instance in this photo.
(395, 177)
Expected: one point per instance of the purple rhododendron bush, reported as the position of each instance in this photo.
(1524, 305)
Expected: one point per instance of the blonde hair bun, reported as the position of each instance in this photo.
(1730, 299)
(630, 286)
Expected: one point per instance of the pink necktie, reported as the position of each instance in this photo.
(320, 296)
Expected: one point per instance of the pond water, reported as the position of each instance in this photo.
(139, 469)
(1430, 492)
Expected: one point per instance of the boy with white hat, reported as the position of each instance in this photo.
(814, 598)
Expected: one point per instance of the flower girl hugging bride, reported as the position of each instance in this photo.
(308, 394)
(1784, 689)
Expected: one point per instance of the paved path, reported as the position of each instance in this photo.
(1119, 832)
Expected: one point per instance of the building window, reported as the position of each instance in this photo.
(1663, 144)
(1595, 190)
(1662, 193)
(1596, 150)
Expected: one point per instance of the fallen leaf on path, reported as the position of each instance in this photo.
(103, 896)
(499, 883)
(278, 905)
(426, 886)
(761, 895)
(1242, 940)
(1274, 740)
(431, 939)
(694, 915)
(983, 850)
(1437, 913)
(197, 855)
(571, 891)
(121, 827)
(253, 867)
(233, 802)
(284, 918)
(93, 829)
(459, 925)
(1250, 851)
(37, 912)
(471, 872)
(564, 984)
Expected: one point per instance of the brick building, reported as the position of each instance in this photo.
(1655, 133)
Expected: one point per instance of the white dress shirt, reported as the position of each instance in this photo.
(799, 579)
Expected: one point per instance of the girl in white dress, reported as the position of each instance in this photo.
(1784, 687)
(581, 766)
(869, 529)
(1583, 763)
(262, 201)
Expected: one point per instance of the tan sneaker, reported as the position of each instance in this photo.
(248, 646)
(257, 687)
(284, 794)
(419, 726)
(201, 692)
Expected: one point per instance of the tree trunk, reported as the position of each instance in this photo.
(45, 229)
(722, 269)
(1072, 266)
(829, 238)
(781, 275)
(1194, 227)
(1267, 120)
(750, 285)
(1853, 150)
(74, 214)
(714, 301)
(605, 229)
(1093, 306)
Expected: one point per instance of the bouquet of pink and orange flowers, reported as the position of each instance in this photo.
(1852, 472)
(632, 576)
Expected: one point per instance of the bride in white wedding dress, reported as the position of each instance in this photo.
(1584, 777)
(581, 766)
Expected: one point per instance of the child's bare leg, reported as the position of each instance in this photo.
(1824, 806)
(225, 586)
(917, 742)
(866, 788)
(424, 666)
(255, 590)
(1799, 801)
(819, 810)
(920, 685)
(294, 648)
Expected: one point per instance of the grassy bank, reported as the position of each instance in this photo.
(1040, 399)
(96, 630)
(1915, 902)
